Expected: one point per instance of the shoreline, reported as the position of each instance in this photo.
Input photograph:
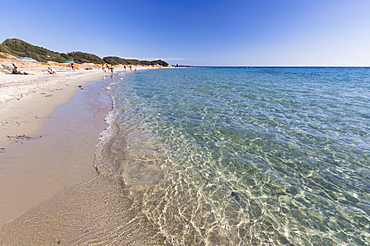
(43, 153)
(27, 100)
(30, 101)
(59, 197)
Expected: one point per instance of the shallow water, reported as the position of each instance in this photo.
(247, 156)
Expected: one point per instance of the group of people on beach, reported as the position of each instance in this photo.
(50, 70)
(124, 66)
(106, 67)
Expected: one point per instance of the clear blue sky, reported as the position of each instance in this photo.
(199, 32)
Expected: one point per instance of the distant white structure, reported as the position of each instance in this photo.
(27, 59)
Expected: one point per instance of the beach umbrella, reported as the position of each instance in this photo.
(69, 62)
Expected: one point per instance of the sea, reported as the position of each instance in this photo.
(243, 156)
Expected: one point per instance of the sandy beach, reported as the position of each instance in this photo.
(26, 103)
(22, 165)
(27, 100)
(50, 126)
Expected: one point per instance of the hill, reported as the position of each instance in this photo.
(117, 60)
(21, 48)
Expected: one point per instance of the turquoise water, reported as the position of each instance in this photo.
(244, 156)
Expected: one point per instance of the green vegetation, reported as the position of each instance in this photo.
(80, 57)
(116, 60)
(60, 59)
(3, 49)
(21, 48)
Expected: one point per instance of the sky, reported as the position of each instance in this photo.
(199, 32)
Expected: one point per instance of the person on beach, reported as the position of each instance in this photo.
(15, 71)
(103, 68)
(111, 69)
(51, 70)
(73, 66)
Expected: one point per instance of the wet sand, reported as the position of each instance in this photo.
(96, 212)
(59, 154)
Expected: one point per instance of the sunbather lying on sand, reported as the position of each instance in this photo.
(15, 71)
(51, 70)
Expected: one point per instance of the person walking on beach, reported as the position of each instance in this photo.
(73, 66)
(111, 68)
(103, 68)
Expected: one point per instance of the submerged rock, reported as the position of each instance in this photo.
(235, 195)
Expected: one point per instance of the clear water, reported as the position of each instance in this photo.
(248, 156)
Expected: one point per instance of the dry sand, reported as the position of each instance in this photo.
(27, 100)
